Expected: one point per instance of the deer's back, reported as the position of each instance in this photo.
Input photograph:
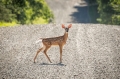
(53, 41)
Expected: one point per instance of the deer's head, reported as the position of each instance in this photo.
(66, 28)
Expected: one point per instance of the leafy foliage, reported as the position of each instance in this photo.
(109, 11)
(5, 13)
(24, 11)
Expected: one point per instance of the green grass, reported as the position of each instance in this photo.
(93, 12)
(38, 20)
(8, 24)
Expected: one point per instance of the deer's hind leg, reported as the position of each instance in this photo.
(38, 53)
(45, 52)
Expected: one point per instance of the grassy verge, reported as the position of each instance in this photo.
(6, 24)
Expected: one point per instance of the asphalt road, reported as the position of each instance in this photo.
(92, 51)
(70, 11)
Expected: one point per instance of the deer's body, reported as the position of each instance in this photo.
(48, 42)
(55, 40)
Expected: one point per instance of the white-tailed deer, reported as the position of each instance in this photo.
(48, 42)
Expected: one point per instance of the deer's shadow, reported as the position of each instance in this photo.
(58, 64)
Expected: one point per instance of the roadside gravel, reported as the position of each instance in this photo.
(92, 52)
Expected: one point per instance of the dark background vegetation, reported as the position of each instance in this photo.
(108, 11)
(24, 11)
(30, 11)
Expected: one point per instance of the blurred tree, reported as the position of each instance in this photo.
(24, 11)
(109, 11)
(5, 13)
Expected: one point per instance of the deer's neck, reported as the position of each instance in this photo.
(65, 36)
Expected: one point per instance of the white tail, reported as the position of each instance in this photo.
(40, 40)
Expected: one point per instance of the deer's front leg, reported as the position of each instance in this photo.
(61, 46)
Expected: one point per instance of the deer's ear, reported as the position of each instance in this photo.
(63, 26)
(70, 26)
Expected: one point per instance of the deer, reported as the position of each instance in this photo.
(54, 41)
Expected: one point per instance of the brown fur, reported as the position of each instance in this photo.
(48, 42)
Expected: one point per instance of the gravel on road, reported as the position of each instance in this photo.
(70, 11)
(92, 51)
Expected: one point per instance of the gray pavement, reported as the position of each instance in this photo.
(70, 11)
(92, 51)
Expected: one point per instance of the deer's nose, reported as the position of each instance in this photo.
(66, 29)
